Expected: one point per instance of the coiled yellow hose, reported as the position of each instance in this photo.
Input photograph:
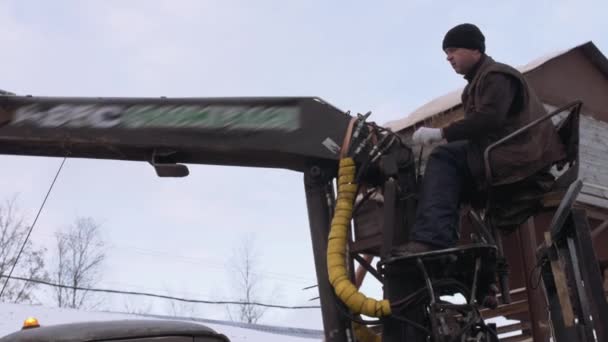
(356, 301)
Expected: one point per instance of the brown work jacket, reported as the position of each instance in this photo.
(520, 157)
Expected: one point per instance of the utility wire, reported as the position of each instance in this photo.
(47, 283)
(32, 227)
(207, 262)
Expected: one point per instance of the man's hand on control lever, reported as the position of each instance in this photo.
(427, 136)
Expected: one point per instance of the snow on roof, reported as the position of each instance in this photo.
(452, 99)
(435, 106)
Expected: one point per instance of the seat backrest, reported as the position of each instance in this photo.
(568, 131)
(511, 204)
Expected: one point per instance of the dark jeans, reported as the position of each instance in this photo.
(446, 183)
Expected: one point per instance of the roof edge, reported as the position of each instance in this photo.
(589, 49)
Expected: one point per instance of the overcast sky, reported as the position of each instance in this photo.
(177, 235)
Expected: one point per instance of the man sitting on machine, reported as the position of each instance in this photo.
(497, 101)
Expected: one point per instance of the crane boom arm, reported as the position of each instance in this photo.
(264, 132)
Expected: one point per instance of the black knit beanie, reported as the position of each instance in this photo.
(466, 36)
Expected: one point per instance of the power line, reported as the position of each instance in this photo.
(207, 262)
(223, 302)
(32, 227)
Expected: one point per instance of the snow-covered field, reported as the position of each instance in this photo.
(13, 315)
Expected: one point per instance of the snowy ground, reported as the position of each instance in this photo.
(13, 315)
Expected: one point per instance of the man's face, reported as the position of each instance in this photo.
(461, 59)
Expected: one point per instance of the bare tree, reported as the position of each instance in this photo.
(13, 232)
(80, 254)
(247, 284)
(137, 307)
(178, 308)
(181, 309)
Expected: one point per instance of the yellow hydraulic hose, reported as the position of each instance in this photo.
(356, 301)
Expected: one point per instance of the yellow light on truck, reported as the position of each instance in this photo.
(30, 322)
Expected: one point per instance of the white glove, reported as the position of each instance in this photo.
(426, 135)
